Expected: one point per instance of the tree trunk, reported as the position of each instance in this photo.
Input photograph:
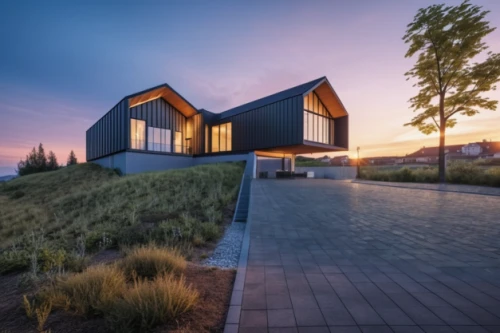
(442, 130)
(442, 162)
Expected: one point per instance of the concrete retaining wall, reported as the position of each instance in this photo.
(138, 162)
(132, 162)
(346, 172)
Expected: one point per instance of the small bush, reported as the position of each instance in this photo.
(89, 292)
(11, 261)
(151, 261)
(151, 303)
(209, 231)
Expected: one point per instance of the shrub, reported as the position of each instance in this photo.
(151, 303)
(461, 172)
(11, 261)
(151, 261)
(209, 231)
(89, 292)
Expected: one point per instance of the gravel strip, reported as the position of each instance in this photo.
(227, 252)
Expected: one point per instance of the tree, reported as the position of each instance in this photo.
(72, 158)
(447, 39)
(36, 161)
(52, 162)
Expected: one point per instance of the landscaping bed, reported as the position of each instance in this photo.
(83, 224)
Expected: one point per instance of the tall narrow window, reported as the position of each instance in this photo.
(223, 138)
(229, 137)
(137, 134)
(215, 139)
(206, 138)
(178, 142)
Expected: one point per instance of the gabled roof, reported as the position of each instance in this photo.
(295, 91)
(166, 92)
(434, 151)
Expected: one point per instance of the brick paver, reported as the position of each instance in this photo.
(331, 256)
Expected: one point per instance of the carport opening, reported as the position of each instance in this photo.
(270, 167)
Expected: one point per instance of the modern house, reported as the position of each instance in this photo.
(158, 129)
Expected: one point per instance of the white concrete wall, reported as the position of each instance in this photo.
(346, 172)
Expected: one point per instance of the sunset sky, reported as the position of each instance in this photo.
(64, 64)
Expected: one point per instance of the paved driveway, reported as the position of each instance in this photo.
(332, 256)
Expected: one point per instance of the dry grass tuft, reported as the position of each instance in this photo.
(89, 292)
(151, 261)
(150, 303)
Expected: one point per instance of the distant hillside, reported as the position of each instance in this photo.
(6, 178)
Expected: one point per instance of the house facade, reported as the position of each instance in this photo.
(157, 129)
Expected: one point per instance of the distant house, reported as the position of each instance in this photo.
(324, 159)
(340, 160)
(472, 149)
(383, 160)
(430, 155)
(496, 155)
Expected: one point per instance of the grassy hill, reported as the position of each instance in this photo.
(84, 208)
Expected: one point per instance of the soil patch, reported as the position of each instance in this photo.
(209, 315)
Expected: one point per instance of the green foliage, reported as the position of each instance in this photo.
(446, 39)
(458, 172)
(151, 303)
(85, 208)
(11, 261)
(311, 163)
(36, 161)
(210, 231)
(72, 159)
(151, 261)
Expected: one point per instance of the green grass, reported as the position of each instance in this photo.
(312, 163)
(458, 172)
(83, 208)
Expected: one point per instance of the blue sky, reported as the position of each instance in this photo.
(65, 63)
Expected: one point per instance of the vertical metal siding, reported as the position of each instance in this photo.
(108, 135)
(273, 125)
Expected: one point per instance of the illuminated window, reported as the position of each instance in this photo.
(159, 139)
(317, 120)
(206, 138)
(137, 134)
(215, 139)
(178, 142)
(222, 138)
(229, 137)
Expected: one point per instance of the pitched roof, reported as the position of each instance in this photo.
(434, 151)
(295, 91)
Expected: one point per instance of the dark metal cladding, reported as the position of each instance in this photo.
(107, 135)
(342, 132)
(270, 122)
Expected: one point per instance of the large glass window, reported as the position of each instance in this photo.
(137, 134)
(317, 120)
(222, 137)
(159, 139)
